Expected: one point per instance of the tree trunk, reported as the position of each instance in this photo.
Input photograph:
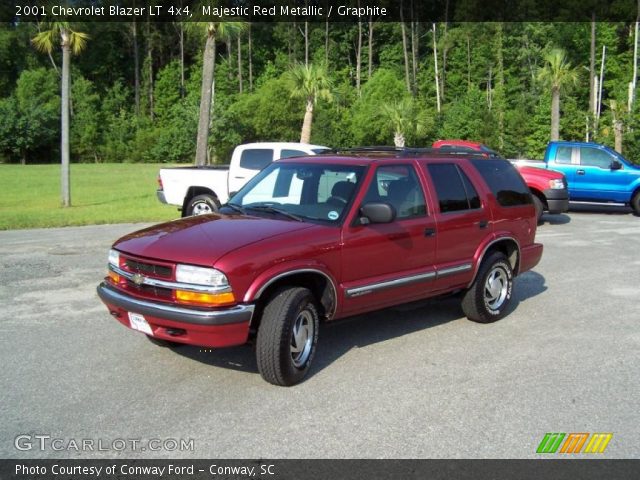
(435, 61)
(250, 53)
(398, 139)
(306, 41)
(555, 114)
(64, 138)
(359, 55)
(150, 61)
(592, 67)
(305, 135)
(370, 47)
(617, 132)
(326, 42)
(404, 48)
(136, 66)
(182, 90)
(632, 95)
(208, 66)
(239, 64)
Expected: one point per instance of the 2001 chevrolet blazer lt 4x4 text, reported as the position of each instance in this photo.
(321, 238)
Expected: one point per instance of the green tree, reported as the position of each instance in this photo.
(310, 83)
(402, 117)
(71, 42)
(558, 75)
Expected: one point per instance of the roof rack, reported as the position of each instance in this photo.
(403, 152)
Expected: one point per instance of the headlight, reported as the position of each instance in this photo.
(556, 184)
(201, 276)
(114, 258)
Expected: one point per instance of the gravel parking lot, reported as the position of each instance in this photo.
(418, 381)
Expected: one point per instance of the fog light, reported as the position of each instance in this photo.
(197, 298)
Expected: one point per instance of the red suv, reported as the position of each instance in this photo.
(548, 187)
(321, 238)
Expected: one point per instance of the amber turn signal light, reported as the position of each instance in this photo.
(213, 299)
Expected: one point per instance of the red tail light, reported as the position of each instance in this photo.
(160, 182)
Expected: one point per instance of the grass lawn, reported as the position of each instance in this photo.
(100, 193)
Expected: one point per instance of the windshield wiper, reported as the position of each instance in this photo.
(235, 207)
(269, 208)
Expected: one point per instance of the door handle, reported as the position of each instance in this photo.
(429, 232)
(240, 178)
(482, 224)
(580, 172)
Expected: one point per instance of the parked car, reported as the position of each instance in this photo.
(549, 188)
(319, 238)
(596, 174)
(201, 190)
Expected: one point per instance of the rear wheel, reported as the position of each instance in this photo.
(202, 205)
(490, 294)
(635, 203)
(287, 337)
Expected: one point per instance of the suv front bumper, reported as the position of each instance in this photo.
(557, 200)
(208, 328)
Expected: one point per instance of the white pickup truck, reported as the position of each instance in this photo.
(200, 190)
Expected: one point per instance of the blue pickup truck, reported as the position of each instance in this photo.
(595, 173)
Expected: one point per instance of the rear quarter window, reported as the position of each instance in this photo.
(504, 181)
(256, 158)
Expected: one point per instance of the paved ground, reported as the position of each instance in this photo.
(416, 382)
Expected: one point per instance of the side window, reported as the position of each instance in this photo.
(399, 186)
(256, 158)
(292, 153)
(594, 157)
(454, 189)
(563, 155)
(504, 181)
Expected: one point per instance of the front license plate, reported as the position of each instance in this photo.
(138, 322)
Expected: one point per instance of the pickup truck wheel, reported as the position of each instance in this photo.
(201, 205)
(635, 204)
(287, 337)
(490, 294)
(537, 203)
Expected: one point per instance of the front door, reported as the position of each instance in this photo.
(391, 263)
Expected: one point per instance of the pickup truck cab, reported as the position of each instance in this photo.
(596, 174)
(315, 239)
(201, 190)
(548, 187)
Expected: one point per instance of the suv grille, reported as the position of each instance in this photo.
(149, 269)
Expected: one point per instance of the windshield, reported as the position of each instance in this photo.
(301, 191)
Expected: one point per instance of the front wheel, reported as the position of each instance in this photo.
(287, 336)
(635, 203)
(202, 205)
(490, 294)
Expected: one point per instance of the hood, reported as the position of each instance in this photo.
(203, 239)
(540, 172)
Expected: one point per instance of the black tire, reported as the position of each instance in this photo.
(539, 206)
(488, 298)
(162, 343)
(283, 357)
(635, 204)
(201, 205)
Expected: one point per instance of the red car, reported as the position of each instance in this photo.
(321, 238)
(549, 188)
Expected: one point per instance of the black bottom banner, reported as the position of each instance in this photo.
(122, 469)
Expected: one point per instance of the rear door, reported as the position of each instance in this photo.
(463, 222)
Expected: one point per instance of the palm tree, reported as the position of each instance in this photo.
(72, 42)
(212, 30)
(403, 119)
(559, 75)
(309, 82)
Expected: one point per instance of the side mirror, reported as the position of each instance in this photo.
(377, 213)
(615, 165)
